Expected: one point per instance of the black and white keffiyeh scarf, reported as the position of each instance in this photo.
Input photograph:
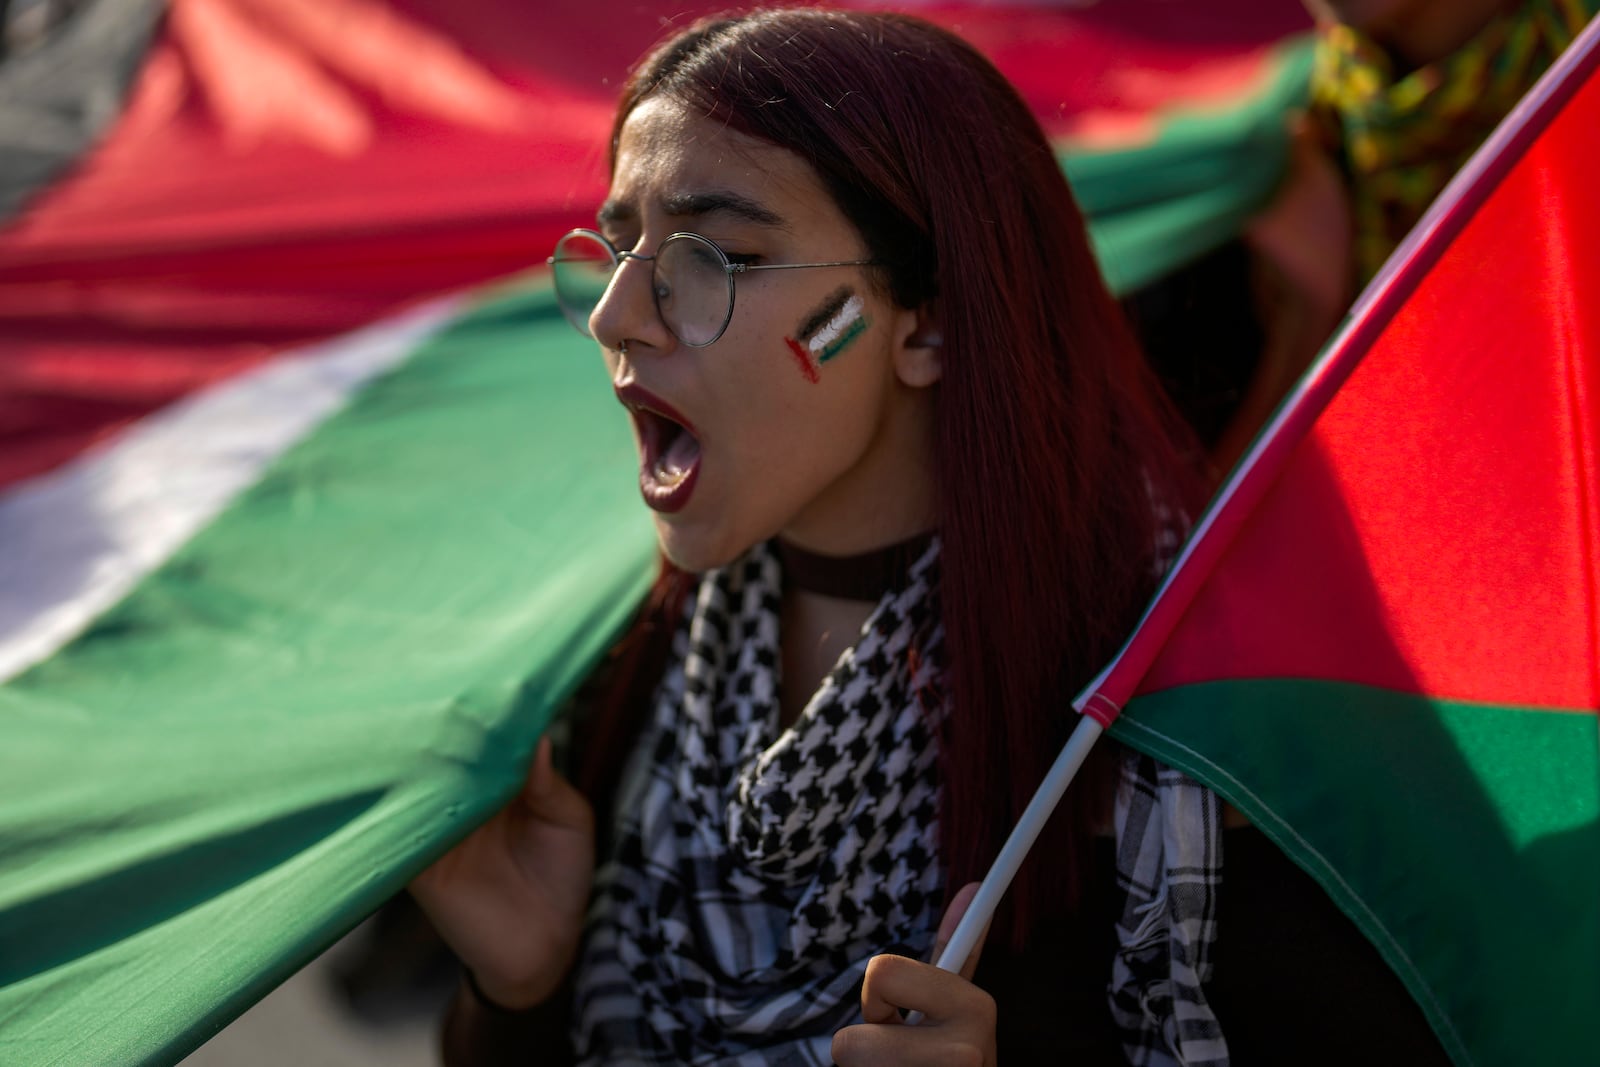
(1168, 831)
(756, 870)
(1169, 869)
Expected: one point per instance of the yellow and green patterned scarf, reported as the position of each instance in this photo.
(1405, 137)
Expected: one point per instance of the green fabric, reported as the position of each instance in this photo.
(332, 683)
(350, 667)
(1500, 805)
(1162, 205)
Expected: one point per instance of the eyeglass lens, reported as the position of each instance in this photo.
(693, 290)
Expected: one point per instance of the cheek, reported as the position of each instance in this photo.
(827, 331)
(802, 359)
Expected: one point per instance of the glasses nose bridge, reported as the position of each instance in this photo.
(617, 305)
(622, 309)
(622, 259)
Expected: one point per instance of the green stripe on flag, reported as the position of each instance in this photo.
(1480, 890)
(1158, 206)
(337, 678)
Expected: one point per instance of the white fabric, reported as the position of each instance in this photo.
(79, 538)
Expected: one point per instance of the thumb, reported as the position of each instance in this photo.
(541, 774)
(549, 797)
(947, 929)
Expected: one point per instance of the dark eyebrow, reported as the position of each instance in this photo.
(615, 211)
(697, 204)
(694, 205)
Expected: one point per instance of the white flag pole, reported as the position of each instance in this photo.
(1015, 850)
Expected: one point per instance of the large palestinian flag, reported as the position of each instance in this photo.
(1383, 642)
(302, 539)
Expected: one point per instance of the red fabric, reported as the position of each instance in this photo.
(1438, 531)
(289, 169)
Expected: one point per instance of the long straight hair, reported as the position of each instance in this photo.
(1055, 450)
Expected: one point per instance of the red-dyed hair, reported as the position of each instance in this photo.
(1053, 439)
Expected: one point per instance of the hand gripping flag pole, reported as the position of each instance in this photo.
(1103, 698)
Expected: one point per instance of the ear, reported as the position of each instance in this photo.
(919, 348)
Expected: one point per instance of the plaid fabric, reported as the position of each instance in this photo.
(757, 870)
(1169, 866)
(1403, 136)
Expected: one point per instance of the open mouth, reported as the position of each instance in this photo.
(669, 450)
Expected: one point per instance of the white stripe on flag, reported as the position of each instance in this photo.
(80, 537)
(836, 325)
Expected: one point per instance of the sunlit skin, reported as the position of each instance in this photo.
(840, 465)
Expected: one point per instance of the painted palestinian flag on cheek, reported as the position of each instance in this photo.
(828, 331)
(298, 555)
(1383, 643)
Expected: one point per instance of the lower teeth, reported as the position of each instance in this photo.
(667, 475)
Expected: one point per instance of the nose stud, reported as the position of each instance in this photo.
(623, 348)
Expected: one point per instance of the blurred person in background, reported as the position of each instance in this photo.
(1405, 91)
(24, 24)
(1402, 93)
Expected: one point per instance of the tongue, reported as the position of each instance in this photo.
(678, 457)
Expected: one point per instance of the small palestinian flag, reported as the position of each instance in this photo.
(1383, 643)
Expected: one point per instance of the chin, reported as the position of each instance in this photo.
(694, 553)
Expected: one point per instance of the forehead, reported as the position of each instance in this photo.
(671, 159)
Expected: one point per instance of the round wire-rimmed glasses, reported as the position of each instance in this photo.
(692, 281)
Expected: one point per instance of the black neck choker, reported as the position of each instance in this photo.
(867, 576)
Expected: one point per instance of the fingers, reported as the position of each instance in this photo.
(541, 773)
(952, 915)
(1305, 230)
(894, 983)
(548, 797)
(947, 929)
(904, 1046)
(958, 1027)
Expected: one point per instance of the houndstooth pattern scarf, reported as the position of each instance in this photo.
(755, 870)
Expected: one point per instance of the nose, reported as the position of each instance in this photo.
(627, 311)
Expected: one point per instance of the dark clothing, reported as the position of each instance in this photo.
(1200, 330)
(1295, 981)
(1302, 984)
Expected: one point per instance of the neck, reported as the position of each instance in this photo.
(826, 600)
(863, 576)
(815, 630)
